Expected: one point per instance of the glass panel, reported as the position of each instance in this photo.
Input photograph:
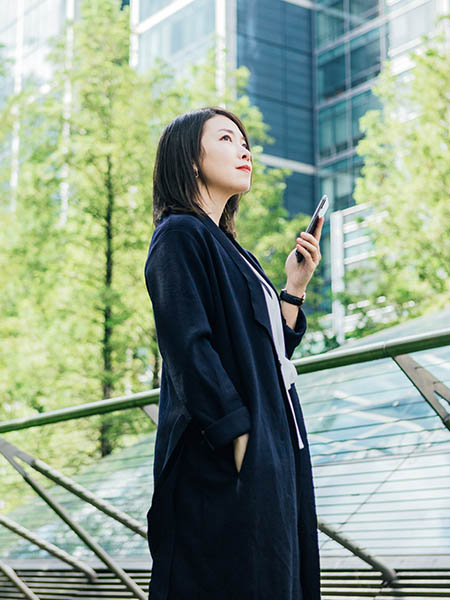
(411, 25)
(330, 22)
(336, 181)
(150, 7)
(365, 56)
(360, 105)
(362, 11)
(331, 73)
(181, 38)
(333, 125)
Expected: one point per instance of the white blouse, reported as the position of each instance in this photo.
(288, 370)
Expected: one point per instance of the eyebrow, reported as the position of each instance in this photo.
(231, 131)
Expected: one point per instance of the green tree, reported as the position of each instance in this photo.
(77, 320)
(406, 182)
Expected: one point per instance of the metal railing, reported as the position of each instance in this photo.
(397, 350)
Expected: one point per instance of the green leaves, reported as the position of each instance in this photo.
(406, 181)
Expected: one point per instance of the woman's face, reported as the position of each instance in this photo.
(225, 152)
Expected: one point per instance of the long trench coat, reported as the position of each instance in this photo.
(216, 533)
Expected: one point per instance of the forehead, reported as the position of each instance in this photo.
(218, 122)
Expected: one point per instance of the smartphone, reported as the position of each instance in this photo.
(320, 211)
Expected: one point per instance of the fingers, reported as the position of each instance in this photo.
(308, 246)
(318, 230)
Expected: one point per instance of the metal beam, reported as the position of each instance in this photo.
(427, 384)
(77, 529)
(328, 360)
(78, 565)
(73, 487)
(17, 581)
(389, 574)
(85, 410)
(369, 352)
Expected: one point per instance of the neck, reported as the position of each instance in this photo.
(213, 203)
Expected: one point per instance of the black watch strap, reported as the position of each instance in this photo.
(298, 301)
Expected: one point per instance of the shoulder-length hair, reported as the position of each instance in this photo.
(175, 187)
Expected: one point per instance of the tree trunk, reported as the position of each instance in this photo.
(106, 441)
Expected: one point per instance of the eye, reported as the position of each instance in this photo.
(226, 136)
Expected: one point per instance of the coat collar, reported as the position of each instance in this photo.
(231, 246)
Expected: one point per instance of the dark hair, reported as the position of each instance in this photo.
(175, 187)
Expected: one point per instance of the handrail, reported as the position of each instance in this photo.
(376, 351)
(17, 581)
(327, 360)
(77, 564)
(389, 575)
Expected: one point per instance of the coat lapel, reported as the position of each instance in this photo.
(256, 293)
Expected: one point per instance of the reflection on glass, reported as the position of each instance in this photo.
(330, 21)
(361, 103)
(362, 11)
(365, 57)
(331, 73)
(179, 38)
(412, 25)
(147, 8)
(337, 182)
(333, 129)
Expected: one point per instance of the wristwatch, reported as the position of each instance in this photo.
(298, 301)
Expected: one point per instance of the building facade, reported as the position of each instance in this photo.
(312, 66)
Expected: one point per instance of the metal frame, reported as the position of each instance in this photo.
(397, 350)
(78, 565)
(17, 581)
(328, 360)
(430, 387)
(10, 452)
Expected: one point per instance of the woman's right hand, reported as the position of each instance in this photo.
(240, 446)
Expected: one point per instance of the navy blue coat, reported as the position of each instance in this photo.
(215, 533)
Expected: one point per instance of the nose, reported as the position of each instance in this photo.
(246, 154)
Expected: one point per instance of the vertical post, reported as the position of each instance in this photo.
(337, 273)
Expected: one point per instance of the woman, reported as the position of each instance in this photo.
(232, 515)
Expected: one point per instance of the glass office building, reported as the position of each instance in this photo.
(312, 66)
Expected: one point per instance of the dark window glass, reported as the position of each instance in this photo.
(331, 73)
(365, 56)
(360, 105)
(330, 22)
(362, 11)
(333, 129)
(337, 182)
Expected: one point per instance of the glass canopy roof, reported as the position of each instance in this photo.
(381, 459)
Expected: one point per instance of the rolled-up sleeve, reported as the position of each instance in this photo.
(183, 306)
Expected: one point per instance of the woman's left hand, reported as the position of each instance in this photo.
(299, 274)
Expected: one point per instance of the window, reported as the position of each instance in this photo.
(331, 73)
(360, 105)
(365, 57)
(147, 8)
(362, 11)
(180, 38)
(333, 129)
(411, 25)
(330, 22)
(337, 182)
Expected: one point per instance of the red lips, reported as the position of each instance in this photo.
(246, 168)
